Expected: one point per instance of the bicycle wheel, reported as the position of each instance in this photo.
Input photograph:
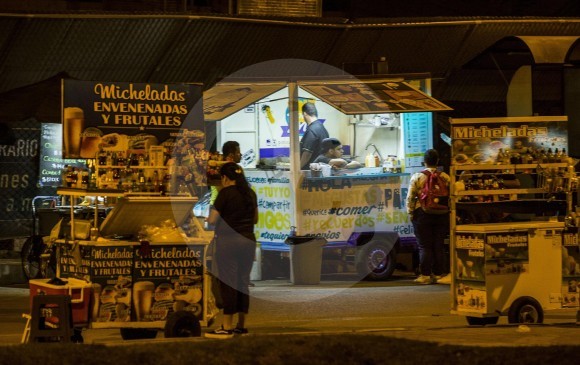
(30, 257)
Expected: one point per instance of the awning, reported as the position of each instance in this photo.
(223, 100)
(348, 96)
(373, 96)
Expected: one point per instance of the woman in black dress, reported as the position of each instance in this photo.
(234, 213)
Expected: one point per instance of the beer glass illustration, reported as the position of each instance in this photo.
(73, 125)
(143, 298)
(96, 301)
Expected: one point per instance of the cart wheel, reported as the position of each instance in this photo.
(376, 261)
(479, 321)
(138, 333)
(77, 336)
(525, 310)
(182, 324)
(30, 257)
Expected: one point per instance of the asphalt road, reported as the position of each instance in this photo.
(396, 308)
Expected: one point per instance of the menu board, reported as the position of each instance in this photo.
(418, 136)
(51, 161)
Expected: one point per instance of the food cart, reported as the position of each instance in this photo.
(360, 212)
(514, 245)
(158, 282)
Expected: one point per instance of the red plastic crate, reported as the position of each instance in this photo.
(79, 290)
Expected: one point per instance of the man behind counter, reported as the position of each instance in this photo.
(332, 155)
(312, 138)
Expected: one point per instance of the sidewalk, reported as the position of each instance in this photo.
(336, 306)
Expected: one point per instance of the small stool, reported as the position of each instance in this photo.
(51, 318)
(26, 333)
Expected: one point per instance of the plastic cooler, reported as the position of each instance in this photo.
(78, 290)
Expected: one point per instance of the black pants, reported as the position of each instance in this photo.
(235, 256)
(430, 231)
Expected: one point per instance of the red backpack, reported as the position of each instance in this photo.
(434, 196)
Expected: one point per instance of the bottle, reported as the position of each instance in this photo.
(85, 179)
(93, 179)
(63, 176)
(377, 161)
(156, 181)
(370, 160)
(141, 181)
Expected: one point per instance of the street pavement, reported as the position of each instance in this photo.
(339, 305)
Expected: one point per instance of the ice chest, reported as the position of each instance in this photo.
(79, 291)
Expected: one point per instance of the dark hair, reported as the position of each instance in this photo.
(230, 147)
(234, 172)
(329, 143)
(310, 109)
(431, 157)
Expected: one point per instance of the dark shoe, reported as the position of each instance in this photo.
(220, 333)
(240, 331)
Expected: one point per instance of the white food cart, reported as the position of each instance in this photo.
(359, 212)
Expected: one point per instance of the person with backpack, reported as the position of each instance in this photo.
(428, 209)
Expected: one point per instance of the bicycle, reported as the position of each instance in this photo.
(37, 256)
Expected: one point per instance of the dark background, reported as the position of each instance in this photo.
(350, 9)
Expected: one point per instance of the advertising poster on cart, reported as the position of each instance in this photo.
(275, 204)
(506, 253)
(470, 293)
(509, 140)
(122, 116)
(469, 257)
(111, 275)
(167, 279)
(333, 208)
(570, 271)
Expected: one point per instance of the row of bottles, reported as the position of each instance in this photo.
(135, 180)
(530, 155)
(154, 158)
(77, 177)
(483, 182)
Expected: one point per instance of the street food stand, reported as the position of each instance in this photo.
(143, 267)
(514, 245)
(360, 213)
(138, 286)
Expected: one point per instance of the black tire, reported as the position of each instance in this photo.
(481, 321)
(376, 261)
(30, 258)
(525, 310)
(138, 333)
(182, 324)
(77, 336)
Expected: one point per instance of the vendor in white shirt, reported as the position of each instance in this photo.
(332, 155)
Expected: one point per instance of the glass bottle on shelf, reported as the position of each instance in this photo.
(141, 180)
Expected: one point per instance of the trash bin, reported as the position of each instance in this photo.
(305, 259)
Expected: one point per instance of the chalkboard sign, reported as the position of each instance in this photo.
(51, 161)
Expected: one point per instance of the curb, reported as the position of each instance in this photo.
(11, 272)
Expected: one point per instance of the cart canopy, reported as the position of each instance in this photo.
(373, 96)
